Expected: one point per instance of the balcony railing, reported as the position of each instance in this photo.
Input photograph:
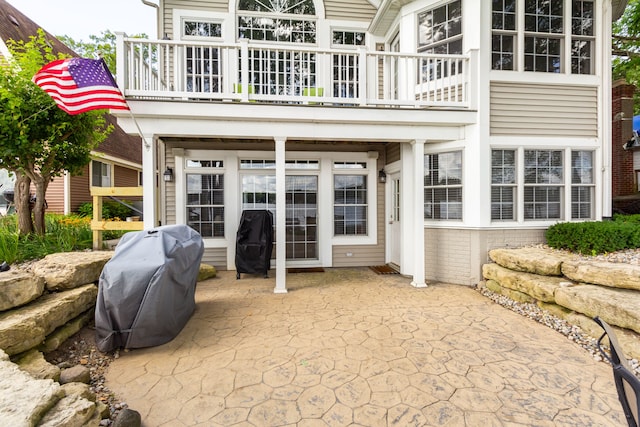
(257, 72)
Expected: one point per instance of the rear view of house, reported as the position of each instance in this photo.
(413, 133)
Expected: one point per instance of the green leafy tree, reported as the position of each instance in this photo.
(39, 141)
(626, 48)
(100, 46)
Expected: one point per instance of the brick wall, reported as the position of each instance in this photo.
(622, 171)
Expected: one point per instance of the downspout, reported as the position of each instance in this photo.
(159, 30)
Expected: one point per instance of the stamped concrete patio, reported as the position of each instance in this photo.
(349, 347)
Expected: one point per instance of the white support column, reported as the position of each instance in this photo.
(281, 213)
(418, 214)
(149, 182)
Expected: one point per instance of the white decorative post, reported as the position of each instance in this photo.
(418, 214)
(281, 213)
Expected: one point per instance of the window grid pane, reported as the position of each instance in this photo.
(443, 186)
(350, 205)
(205, 204)
(582, 185)
(503, 180)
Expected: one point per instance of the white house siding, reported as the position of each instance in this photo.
(457, 255)
(205, 5)
(543, 110)
(352, 10)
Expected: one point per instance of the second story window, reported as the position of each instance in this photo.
(440, 29)
(347, 38)
(550, 44)
(191, 28)
(277, 20)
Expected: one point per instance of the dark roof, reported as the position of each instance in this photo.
(14, 25)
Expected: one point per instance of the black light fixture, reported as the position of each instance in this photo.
(167, 176)
(382, 176)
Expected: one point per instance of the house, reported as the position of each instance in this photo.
(115, 162)
(625, 150)
(415, 133)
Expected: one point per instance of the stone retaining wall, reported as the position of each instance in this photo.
(40, 307)
(571, 288)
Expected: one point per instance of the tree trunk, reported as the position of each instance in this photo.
(23, 209)
(39, 206)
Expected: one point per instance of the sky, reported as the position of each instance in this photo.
(81, 18)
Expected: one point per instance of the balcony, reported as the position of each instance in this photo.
(250, 72)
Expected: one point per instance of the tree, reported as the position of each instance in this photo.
(101, 46)
(626, 48)
(39, 141)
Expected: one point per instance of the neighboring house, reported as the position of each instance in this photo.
(416, 133)
(625, 150)
(116, 162)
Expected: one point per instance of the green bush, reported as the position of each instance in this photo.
(65, 233)
(591, 238)
(110, 210)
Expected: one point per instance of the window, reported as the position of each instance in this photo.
(205, 197)
(543, 26)
(543, 184)
(582, 37)
(582, 185)
(440, 29)
(547, 38)
(100, 174)
(202, 29)
(443, 186)
(203, 69)
(503, 39)
(277, 21)
(350, 205)
(503, 185)
(348, 38)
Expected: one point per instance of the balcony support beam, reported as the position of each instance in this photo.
(281, 217)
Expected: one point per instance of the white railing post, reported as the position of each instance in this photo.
(121, 62)
(244, 70)
(362, 75)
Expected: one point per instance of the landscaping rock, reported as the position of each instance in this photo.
(76, 374)
(535, 260)
(24, 400)
(616, 275)
(79, 389)
(34, 363)
(128, 418)
(68, 270)
(18, 288)
(70, 411)
(541, 288)
(206, 272)
(618, 307)
(61, 334)
(495, 287)
(26, 327)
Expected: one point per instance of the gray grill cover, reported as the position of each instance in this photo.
(147, 289)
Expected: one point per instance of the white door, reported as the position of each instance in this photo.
(394, 219)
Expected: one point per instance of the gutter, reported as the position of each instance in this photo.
(158, 23)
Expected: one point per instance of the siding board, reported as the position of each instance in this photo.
(352, 10)
(544, 110)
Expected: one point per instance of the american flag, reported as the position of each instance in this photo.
(78, 85)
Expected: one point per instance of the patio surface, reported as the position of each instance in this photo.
(350, 347)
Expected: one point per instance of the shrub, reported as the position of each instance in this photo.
(64, 233)
(110, 210)
(591, 238)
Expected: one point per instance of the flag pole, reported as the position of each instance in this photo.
(144, 140)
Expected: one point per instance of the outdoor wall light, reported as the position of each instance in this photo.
(382, 176)
(167, 176)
